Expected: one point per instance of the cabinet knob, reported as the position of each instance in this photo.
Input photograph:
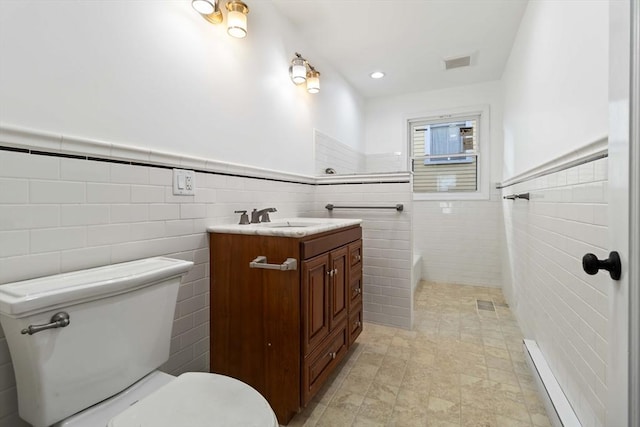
(358, 258)
(358, 323)
(332, 354)
(330, 273)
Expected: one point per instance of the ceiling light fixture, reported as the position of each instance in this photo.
(377, 75)
(236, 15)
(301, 71)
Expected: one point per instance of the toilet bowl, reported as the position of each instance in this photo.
(86, 347)
(193, 399)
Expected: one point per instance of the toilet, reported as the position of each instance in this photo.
(86, 347)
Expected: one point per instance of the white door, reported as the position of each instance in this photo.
(624, 186)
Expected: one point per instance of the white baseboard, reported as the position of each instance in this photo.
(558, 408)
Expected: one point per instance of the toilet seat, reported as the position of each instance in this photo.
(197, 399)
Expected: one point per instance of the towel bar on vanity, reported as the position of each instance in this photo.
(261, 262)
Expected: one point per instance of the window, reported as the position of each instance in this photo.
(446, 156)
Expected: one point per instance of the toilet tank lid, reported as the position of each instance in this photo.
(28, 297)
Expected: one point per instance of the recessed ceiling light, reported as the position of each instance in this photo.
(377, 75)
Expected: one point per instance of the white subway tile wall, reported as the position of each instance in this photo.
(384, 162)
(387, 245)
(330, 153)
(461, 242)
(60, 214)
(556, 303)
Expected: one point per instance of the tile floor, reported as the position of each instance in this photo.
(460, 366)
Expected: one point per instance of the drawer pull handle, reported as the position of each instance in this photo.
(261, 262)
(332, 354)
(357, 323)
(358, 291)
(358, 258)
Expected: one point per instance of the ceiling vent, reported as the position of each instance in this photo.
(462, 61)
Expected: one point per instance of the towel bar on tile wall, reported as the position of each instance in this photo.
(399, 207)
(517, 196)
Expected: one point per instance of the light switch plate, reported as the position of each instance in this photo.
(184, 182)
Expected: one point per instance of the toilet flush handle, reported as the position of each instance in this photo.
(58, 320)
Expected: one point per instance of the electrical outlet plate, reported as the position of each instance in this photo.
(184, 182)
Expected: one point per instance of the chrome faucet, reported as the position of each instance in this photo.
(261, 215)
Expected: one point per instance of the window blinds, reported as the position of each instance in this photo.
(444, 172)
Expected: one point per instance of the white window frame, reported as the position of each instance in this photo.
(484, 151)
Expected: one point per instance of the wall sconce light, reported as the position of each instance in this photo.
(313, 80)
(208, 9)
(236, 16)
(301, 71)
(298, 69)
(237, 19)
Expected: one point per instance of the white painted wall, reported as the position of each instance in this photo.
(556, 101)
(556, 82)
(449, 234)
(386, 118)
(156, 75)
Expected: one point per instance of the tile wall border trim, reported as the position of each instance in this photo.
(28, 141)
(595, 150)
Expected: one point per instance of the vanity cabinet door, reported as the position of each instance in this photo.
(325, 293)
(338, 287)
(315, 298)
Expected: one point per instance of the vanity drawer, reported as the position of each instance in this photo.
(319, 365)
(355, 255)
(355, 324)
(316, 246)
(355, 291)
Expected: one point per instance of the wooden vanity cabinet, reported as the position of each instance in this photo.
(355, 291)
(284, 332)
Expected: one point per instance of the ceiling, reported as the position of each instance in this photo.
(408, 40)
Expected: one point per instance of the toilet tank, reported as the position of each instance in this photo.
(121, 318)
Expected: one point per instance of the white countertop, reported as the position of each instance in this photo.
(288, 227)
